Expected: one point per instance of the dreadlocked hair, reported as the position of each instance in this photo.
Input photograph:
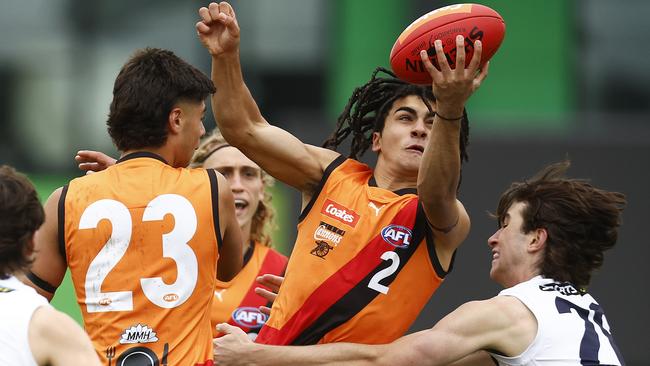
(368, 107)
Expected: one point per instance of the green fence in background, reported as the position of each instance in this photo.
(531, 81)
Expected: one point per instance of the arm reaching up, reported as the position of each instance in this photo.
(275, 150)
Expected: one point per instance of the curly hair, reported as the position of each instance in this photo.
(581, 221)
(149, 85)
(368, 107)
(22, 214)
(264, 218)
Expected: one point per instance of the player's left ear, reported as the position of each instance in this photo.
(174, 120)
(538, 241)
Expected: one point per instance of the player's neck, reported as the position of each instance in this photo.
(162, 151)
(392, 180)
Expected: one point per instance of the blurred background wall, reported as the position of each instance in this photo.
(572, 79)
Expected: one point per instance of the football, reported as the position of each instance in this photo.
(472, 21)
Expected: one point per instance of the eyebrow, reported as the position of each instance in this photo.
(414, 112)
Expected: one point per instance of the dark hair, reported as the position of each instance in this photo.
(22, 214)
(581, 221)
(368, 107)
(145, 91)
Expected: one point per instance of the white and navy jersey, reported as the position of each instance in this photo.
(571, 327)
(17, 305)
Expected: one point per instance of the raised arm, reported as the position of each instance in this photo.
(502, 324)
(439, 172)
(49, 266)
(239, 119)
(230, 254)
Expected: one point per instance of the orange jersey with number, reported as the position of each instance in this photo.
(141, 241)
(363, 266)
(236, 302)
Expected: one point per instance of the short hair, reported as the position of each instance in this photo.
(581, 221)
(264, 218)
(368, 107)
(146, 90)
(22, 214)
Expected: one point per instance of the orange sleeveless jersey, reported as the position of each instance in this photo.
(363, 266)
(236, 302)
(141, 241)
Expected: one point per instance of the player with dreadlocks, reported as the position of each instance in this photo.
(367, 109)
(372, 244)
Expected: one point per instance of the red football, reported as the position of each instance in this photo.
(472, 21)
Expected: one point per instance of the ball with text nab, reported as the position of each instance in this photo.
(472, 21)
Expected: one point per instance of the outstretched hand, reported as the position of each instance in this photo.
(92, 161)
(273, 283)
(218, 29)
(452, 87)
(231, 347)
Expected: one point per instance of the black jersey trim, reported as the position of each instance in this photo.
(431, 245)
(214, 190)
(41, 283)
(326, 174)
(61, 223)
(358, 297)
(141, 154)
(249, 253)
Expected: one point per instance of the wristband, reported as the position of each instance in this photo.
(448, 119)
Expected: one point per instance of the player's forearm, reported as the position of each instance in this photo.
(233, 105)
(329, 354)
(439, 172)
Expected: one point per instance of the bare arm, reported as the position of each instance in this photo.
(230, 257)
(502, 324)
(275, 150)
(439, 172)
(55, 339)
(48, 264)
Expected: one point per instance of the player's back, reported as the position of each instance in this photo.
(571, 326)
(141, 241)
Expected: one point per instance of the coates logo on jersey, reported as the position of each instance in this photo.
(249, 317)
(340, 213)
(397, 235)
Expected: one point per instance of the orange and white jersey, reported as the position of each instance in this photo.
(141, 241)
(364, 257)
(236, 302)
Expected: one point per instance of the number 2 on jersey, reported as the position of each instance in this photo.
(394, 265)
(175, 246)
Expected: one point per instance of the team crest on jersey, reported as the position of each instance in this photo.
(249, 317)
(340, 213)
(397, 235)
(138, 334)
(322, 249)
(5, 289)
(328, 233)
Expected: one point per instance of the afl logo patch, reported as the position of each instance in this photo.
(397, 235)
(249, 317)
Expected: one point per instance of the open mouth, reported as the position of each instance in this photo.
(240, 204)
